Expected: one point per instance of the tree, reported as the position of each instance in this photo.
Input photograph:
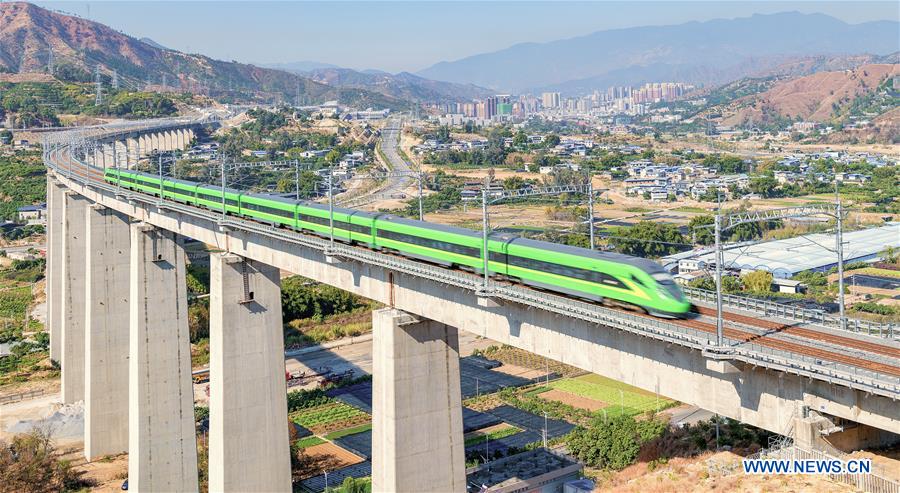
(333, 156)
(551, 140)
(648, 239)
(520, 139)
(701, 235)
(890, 254)
(765, 186)
(759, 281)
(30, 463)
(606, 443)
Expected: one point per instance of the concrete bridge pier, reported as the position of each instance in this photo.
(162, 448)
(106, 319)
(72, 290)
(55, 198)
(120, 154)
(155, 142)
(417, 431)
(248, 423)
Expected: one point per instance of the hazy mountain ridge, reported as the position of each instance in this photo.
(28, 32)
(702, 52)
(403, 85)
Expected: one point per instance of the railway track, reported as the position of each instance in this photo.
(736, 334)
(780, 328)
(769, 342)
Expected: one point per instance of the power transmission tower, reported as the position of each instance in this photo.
(115, 79)
(50, 62)
(98, 86)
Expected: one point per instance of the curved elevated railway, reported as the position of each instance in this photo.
(879, 357)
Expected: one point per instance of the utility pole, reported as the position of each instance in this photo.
(161, 178)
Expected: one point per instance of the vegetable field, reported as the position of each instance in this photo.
(329, 417)
(622, 398)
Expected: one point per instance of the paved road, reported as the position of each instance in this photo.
(390, 142)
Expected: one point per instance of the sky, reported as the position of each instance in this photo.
(406, 35)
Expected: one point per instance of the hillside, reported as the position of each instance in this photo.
(711, 52)
(402, 86)
(819, 97)
(29, 33)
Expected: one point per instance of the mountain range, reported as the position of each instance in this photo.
(29, 34)
(708, 52)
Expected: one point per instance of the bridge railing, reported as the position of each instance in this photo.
(791, 312)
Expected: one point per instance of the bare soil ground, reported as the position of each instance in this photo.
(572, 400)
(106, 474)
(887, 461)
(709, 473)
(327, 457)
(520, 371)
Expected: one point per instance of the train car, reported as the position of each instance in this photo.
(180, 190)
(210, 196)
(350, 225)
(445, 245)
(598, 276)
(269, 208)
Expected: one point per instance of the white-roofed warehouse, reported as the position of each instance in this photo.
(784, 258)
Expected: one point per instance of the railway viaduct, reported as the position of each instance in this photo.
(118, 323)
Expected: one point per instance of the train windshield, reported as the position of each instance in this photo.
(667, 283)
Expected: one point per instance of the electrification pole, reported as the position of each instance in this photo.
(331, 206)
(297, 180)
(484, 232)
(591, 210)
(421, 212)
(222, 161)
(719, 256)
(839, 249)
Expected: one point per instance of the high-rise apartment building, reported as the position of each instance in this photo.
(550, 99)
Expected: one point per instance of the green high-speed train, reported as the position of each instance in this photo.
(597, 276)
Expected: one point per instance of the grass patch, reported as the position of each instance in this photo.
(309, 441)
(622, 398)
(349, 431)
(876, 271)
(689, 208)
(636, 209)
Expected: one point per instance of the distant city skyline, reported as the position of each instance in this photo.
(408, 36)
